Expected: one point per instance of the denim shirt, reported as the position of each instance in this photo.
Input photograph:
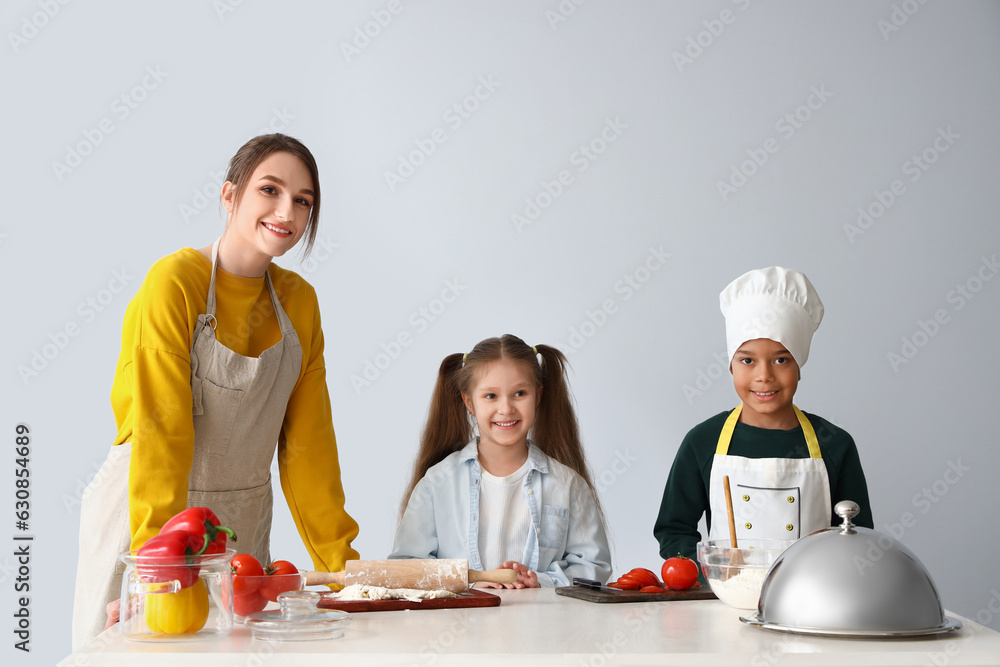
(566, 539)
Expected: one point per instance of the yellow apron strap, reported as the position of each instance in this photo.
(810, 433)
(727, 432)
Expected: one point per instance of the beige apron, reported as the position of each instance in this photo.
(773, 498)
(239, 406)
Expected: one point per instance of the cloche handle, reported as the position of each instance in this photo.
(847, 510)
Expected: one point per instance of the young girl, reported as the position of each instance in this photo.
(483, 491)
(787, 469)
(221, 359)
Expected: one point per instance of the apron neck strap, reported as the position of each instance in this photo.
(210, 304)
(284, 323)
(722, 448)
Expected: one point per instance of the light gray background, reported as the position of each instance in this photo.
(893, 75)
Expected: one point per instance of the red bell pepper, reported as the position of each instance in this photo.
(203, 524)
(170, 555)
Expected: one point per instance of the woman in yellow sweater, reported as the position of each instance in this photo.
(222, 360)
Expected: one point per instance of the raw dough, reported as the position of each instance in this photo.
(363, 592)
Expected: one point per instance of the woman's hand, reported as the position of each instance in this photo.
(113, 609)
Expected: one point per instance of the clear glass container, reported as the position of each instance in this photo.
(737, 575)
(176, 599)
(298, 619)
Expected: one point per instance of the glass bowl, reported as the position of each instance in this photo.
(255, 593)
(737, 575)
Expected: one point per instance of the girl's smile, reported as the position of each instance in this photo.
(503, 402)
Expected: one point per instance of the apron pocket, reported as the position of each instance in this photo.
(214, 428)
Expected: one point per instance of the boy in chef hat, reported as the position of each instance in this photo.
(786, 469)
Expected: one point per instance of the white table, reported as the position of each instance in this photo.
(537, 626)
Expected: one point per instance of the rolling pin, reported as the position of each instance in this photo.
(450, 574)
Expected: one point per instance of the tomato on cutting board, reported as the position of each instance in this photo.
(636, 579)
(679, 573)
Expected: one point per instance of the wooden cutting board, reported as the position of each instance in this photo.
(472, 598)
(591, 595)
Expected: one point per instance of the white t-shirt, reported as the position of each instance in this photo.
(504, 519)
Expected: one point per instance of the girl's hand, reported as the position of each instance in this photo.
(113, 609)
(525, 577)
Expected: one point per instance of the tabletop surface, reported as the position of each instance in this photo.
(536, 626)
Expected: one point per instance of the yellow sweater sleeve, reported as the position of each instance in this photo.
(308, 463)
(151, 396)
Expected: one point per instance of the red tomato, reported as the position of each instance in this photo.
(246, 571)
(275, 584)
(644, 576)
(628, 582)
(244, 605)
(651, 589)
(679, 573)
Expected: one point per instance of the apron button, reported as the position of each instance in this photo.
(791, 499)
(789, 527)
(746, 498)
(748, 525)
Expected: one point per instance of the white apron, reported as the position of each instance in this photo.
(773, 498)
(238, 409)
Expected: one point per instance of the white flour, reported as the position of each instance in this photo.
(362, 592)
(741, 590)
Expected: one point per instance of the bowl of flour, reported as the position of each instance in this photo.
(737, 575)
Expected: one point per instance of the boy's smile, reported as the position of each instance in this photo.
(765, 377)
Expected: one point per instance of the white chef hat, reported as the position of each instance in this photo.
(776, 303)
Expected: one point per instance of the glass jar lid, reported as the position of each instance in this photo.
(298, 619)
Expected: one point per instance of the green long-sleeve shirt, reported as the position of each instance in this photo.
(685, 497)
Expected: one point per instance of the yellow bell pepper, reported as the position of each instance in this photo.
(177, 613)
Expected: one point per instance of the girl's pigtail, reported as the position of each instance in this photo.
(448, 428)
(556, 430)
